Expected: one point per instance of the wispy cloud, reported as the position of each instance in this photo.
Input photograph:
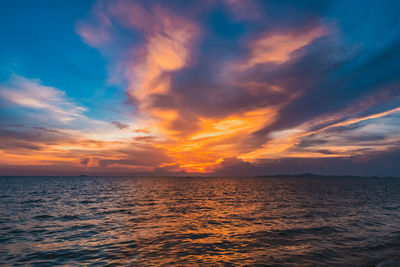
(70, 138)
(32, 94)
(279, 47)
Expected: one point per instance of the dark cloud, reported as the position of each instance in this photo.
(120, 125)
(236, 167)
(171, 170)
(369, 164)
(202, 90)
(350, 69)
(137, 154)
(146, 138)
(18, 137)
(85, 161)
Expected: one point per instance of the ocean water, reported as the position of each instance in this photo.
(48, 221)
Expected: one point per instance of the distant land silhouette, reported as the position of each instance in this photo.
(313, 175)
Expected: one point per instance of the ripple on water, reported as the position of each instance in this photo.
(199, 221)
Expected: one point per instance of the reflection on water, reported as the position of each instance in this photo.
(202, 221)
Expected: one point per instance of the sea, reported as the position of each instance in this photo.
(203, 221)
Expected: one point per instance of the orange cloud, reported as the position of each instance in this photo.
(279, 47)
(72, 135)
(282, 142)
(215, 139)
(168, 46)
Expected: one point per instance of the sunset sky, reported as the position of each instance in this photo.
(229, 87)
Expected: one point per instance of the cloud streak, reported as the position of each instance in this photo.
(31, 94)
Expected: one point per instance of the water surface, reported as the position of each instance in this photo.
(198, 221)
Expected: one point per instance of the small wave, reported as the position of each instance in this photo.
(123, 211)
(68, 218)
(389, 263)
(43, 217)
(29, 201)
(324, 230)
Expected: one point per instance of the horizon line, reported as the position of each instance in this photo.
(300, 175)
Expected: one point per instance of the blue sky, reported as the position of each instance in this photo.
(200, 87)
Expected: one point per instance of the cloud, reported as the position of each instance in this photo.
(231, 87)
(167, 40)
(120, 125)
(254, 87)
(32, 94)
(47, 129)
(368, 164)
(235, 167)
(278, 47)
(85, 161)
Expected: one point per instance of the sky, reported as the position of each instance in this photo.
(207, 87)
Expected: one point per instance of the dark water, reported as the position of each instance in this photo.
(198, 221)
